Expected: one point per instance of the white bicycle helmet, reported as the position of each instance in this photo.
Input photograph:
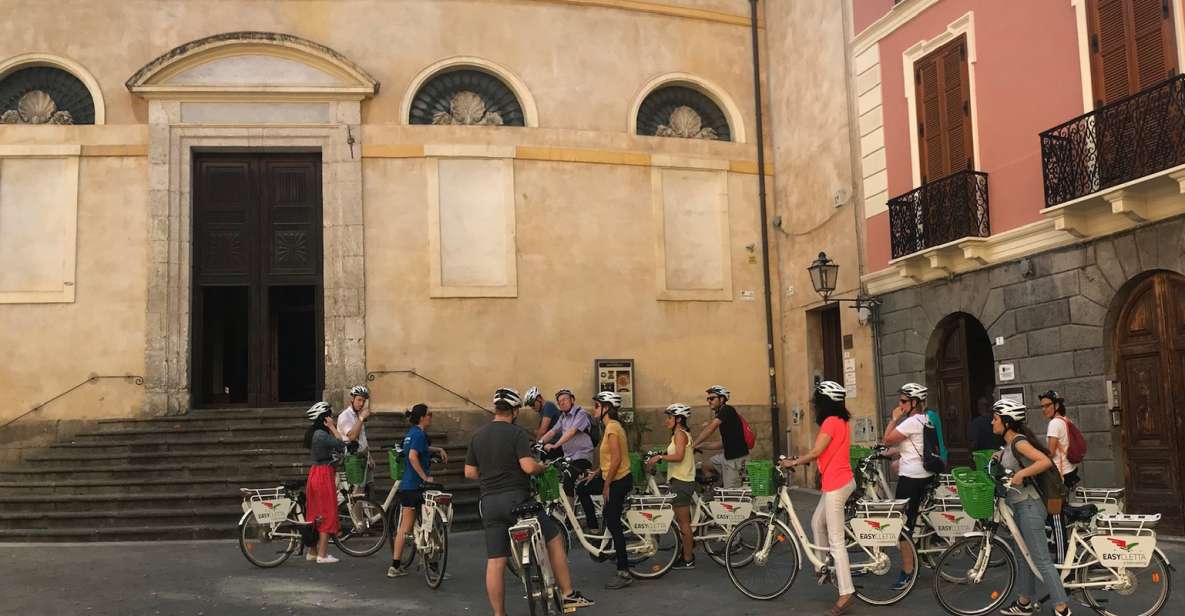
(611, 398)
(915, 391)
(679, 410)
(719, 390)
(831, 390)
(508, 396)
(532, 395)
(1009, 408)
(360, 390)
(318, 410)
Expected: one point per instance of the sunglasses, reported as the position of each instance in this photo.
(711, 398)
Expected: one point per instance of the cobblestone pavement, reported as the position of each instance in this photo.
(212, 578)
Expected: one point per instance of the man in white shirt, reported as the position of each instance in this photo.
(351, 423)
(1053, 406)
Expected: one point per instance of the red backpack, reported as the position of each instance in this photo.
(1076, 448)
(750, 438)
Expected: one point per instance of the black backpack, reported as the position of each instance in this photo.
(594, 428)
(931, 450)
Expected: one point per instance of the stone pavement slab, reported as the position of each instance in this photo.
(212, 578)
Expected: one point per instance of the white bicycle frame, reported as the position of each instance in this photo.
(521, 551)
(1077, 540)
(643, 544)
(701, 513)
(436, 503)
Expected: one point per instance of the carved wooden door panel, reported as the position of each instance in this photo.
(954, 390)
(1151, 345)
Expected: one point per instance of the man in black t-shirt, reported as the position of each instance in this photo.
(500, 460)
(731, 462)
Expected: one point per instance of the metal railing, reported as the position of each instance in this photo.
(130, 378)
(1116, 143)
(374, 374)
(938, 212)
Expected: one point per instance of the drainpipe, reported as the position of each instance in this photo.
(775, 414)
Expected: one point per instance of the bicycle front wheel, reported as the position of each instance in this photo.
(436, 559)
(1137, 592)
(261, 548)
(768, 571)
(974, 576)
(363, 527)
(875, 571)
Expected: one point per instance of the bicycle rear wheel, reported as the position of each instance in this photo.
(365, 537)
(876, 571)
(954, 587)
(769, 571)
(1142, 592)
(436, 560)
(260, 548)
(662, 550)
(537, 598)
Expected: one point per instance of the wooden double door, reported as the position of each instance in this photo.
(1150, 345)
(961, 371)
(257, 325)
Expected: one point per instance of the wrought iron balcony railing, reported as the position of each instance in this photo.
(939, 212)
(1116, 143)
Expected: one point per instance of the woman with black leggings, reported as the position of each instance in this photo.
(613, 481)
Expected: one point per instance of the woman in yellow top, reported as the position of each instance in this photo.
(612, 480)
(680, 477)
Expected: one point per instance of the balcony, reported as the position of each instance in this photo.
(939, 213)
(1115, 144)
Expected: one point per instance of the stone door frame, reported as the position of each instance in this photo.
(170, 151)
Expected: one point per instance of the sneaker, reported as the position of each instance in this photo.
(310, 556)
(902, 582)
(683, 564)
(1023, 609)
(621, 579)
(576, 600)
(392, 572)
(326, 560)
(1065, 613)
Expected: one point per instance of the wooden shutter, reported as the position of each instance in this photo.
(1132, 46)
(944, 111)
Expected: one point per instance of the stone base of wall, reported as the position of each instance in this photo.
(28, 436)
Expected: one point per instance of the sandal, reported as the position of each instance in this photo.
(838, 610)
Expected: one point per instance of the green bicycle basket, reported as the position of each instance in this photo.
(547, 484)
(857, 454)
(636, 469)
(761, 477)
(355, 466)
(395, 464)
(977, 492)
(982, 457)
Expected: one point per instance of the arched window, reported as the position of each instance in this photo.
(466, 97)
(44, 95)
(679, 111)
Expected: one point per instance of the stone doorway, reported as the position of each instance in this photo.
(258, 334)
(960, 371)
(1150, 351)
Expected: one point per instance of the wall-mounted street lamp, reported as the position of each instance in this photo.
(824, 273)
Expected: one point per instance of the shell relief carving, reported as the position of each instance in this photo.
(686, 123)
(36, 107)
(467, 108)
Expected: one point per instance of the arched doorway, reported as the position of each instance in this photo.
(959, 371)
(1150, 352)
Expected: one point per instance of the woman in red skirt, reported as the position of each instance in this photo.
(323, 441)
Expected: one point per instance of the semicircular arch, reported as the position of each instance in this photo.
(512, 81)
(30, 60)
(712, 91)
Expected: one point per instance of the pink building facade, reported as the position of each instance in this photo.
(1022, 191)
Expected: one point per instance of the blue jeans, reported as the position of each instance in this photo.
(1030, 519)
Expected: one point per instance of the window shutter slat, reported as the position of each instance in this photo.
(952, 77)
(1132, 46)
(933, 156)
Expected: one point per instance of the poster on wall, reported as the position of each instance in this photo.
(616, 375)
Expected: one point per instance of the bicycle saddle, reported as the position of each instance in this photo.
(1085, 513)
(530, 507)
(432, 486)
(293, 484)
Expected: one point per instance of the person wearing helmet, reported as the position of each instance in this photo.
(680, 477)
(731, 461)
(833, 451)
(572, 437)
(323, 442)
(419, 451)
(1053, 407)
(549, 413)
(1027, 457)
(613, 480)
(906, 432)
(351, 425)
(500, 461)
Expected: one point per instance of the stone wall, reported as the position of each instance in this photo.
(1054, 311)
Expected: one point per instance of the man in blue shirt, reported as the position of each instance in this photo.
(549, 413)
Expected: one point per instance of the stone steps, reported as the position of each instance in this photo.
(179, 477)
